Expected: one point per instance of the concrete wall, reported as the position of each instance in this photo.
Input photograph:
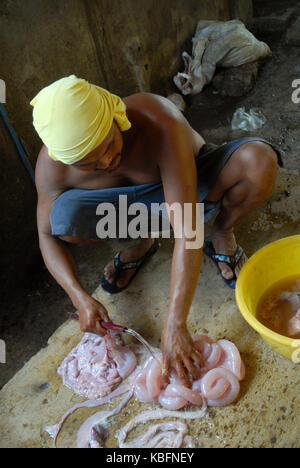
(123, 45)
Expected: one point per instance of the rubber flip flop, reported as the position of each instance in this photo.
(231, 260)
(120, 266)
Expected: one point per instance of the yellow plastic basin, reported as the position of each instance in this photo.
(272, 263)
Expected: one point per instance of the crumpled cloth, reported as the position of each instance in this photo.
(217, 43)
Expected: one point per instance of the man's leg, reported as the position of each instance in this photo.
(146, 194)
(131, 254)
(73, 219)
(244, 183)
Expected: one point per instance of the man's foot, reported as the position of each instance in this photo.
(224, 243)
(128, 255)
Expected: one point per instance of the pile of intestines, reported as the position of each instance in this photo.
(96, 367)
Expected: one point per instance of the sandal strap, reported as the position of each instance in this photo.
(231, 260)
(123, 266)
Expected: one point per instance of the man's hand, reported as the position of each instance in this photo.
(91, 313)
(179, 353)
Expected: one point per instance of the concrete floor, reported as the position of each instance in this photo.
(267, 413)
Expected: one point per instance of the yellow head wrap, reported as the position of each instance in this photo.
(73, 117)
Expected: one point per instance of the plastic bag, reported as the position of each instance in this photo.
(248, 121)
(227, 44)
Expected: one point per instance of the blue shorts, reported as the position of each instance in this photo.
(74, 212)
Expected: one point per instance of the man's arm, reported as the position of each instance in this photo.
(179, 177)
(60, 262)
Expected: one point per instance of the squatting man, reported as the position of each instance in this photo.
(97, 147)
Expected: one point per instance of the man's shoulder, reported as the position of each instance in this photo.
(155, 106)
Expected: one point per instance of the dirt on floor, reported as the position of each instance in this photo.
(31, 318)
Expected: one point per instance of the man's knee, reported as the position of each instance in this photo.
(261, 166)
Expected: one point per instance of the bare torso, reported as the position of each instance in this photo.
(141, 153)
